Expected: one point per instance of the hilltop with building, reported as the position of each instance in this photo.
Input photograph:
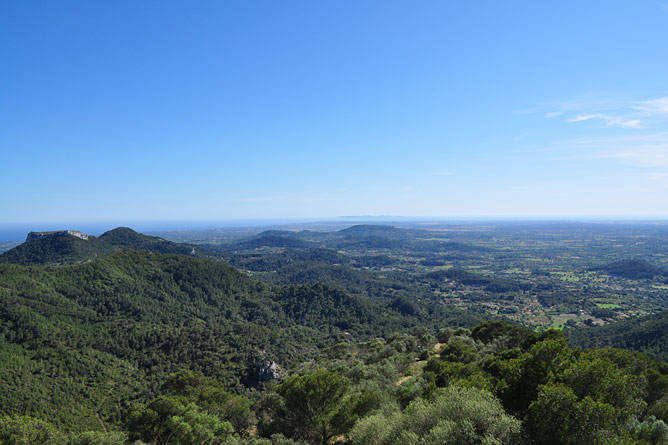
(72, 246)
(34, 236)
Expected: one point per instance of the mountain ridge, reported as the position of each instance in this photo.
(64, 248)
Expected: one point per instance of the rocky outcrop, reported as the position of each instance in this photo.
(270, 370)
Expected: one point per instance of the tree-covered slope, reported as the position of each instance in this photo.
(648, 334)
(125, 238)
(495, 384)
(634, 269)
(272, 238)
(126, 320)
(63, 249)
(71, 334)
(265, 262)
(92, 337)
(310, 272)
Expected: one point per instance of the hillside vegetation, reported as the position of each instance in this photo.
(497, 383)
(366, 335)
(648, 334)
(90, 338)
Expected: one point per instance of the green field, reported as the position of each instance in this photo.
(608, 305)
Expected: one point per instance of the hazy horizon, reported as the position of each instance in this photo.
(15, 232)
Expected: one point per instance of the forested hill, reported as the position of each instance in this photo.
(361, 235)
(635, 269)
(375, 235)
(84, 340)
(648, 334)
(62, 249)
(68, 249)
(272, 238)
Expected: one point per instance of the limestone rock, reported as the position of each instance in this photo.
(270, 370)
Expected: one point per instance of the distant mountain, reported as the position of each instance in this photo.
(373, 236)
(273, 238)
(125, 238)
(634, 269)
(69, 247)
(57, 249)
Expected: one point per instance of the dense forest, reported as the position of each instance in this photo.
(81, 342)
(497, 383)
(648, 334)
(365, 335)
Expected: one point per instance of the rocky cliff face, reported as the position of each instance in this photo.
(34, 236)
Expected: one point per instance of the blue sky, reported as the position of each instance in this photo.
(160, 110)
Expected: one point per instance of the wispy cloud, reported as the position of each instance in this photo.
(635, 115)
(653, 107)
(631, 123)
(585, 117)
(610, 121)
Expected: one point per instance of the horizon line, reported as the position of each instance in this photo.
(406, 218)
